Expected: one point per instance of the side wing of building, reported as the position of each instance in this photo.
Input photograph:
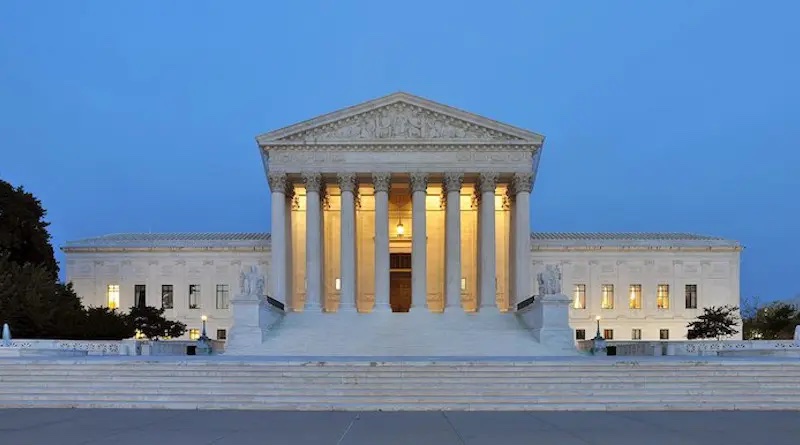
(645, 286)
(188, 274)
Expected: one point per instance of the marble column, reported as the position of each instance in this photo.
(419, 239)
(382, 183)
(347, 185)
(488, 266)
(452, 185)
(522, 183)
(278, 270)
(511, 259)
(313, 183)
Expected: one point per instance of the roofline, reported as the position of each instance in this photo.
(162, 249)
(271, 137)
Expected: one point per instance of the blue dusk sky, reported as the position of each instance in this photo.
(677, 115)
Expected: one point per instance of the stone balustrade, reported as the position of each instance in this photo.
(113, 347)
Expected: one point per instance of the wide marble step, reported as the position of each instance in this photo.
(575, 384)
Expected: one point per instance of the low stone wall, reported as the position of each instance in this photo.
(697, 347)
(113, 347)
(712, 347)
(92, 347)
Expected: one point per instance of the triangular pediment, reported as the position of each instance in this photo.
(399, 117)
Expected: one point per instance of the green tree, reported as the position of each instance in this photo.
(150, 322)
(775, 321)
(102, 323)
(23, 230)
(715, 322)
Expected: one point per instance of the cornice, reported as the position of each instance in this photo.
(635, 249)
(112, 249)
(421, 145)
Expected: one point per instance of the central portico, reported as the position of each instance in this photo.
(355, 192)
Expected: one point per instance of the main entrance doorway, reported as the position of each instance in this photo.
(400, 282)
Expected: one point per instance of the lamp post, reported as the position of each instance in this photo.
(597, 335)
(203, 345)
(598, 342)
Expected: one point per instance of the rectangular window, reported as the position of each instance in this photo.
(663, 334)
(194, 334)
(636, 334)
(139, 295)
(222, 334)
(579, 297)
(608, 334)
(691, 296)
(194, 296)
(607, 301)
(580, 334)
(222, 296)
(112, 296)
(662, 297)
(166, 296)
(635, 297)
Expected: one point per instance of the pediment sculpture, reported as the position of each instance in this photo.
(399, 121)
(550, 280)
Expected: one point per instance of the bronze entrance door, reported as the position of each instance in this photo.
(400, 282)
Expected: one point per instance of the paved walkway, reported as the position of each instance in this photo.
(123, 427)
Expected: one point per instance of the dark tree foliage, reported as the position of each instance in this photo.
(150, 322)
(774, 321)
(37, 306)
(102, 323)
(23, 230)
(715, 322)
(32, 300)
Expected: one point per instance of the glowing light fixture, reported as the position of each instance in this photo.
(400, 229)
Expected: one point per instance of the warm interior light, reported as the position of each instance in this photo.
(463, 283)
(204, 317)
(338, 284)
(400, 229)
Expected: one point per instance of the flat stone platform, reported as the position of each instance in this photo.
(175, 427)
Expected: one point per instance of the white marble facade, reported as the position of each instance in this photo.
(366, 197)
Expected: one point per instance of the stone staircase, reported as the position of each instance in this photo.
(417, 333)
(581, 383)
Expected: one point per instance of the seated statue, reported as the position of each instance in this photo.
(550, 280)
(251, 283)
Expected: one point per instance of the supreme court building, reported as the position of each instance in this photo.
(402, 226)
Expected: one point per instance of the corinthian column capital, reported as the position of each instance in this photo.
(277, 181)
(312, 181)
(453, 182)
(522, 182)
(347, 181)
(419, 182)
(487, 181)
(381, 182)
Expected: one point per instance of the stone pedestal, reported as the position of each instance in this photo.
(548, 320)
(252, 318)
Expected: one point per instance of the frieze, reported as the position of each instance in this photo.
(399, 121)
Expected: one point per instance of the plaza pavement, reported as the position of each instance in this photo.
(123, 427)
